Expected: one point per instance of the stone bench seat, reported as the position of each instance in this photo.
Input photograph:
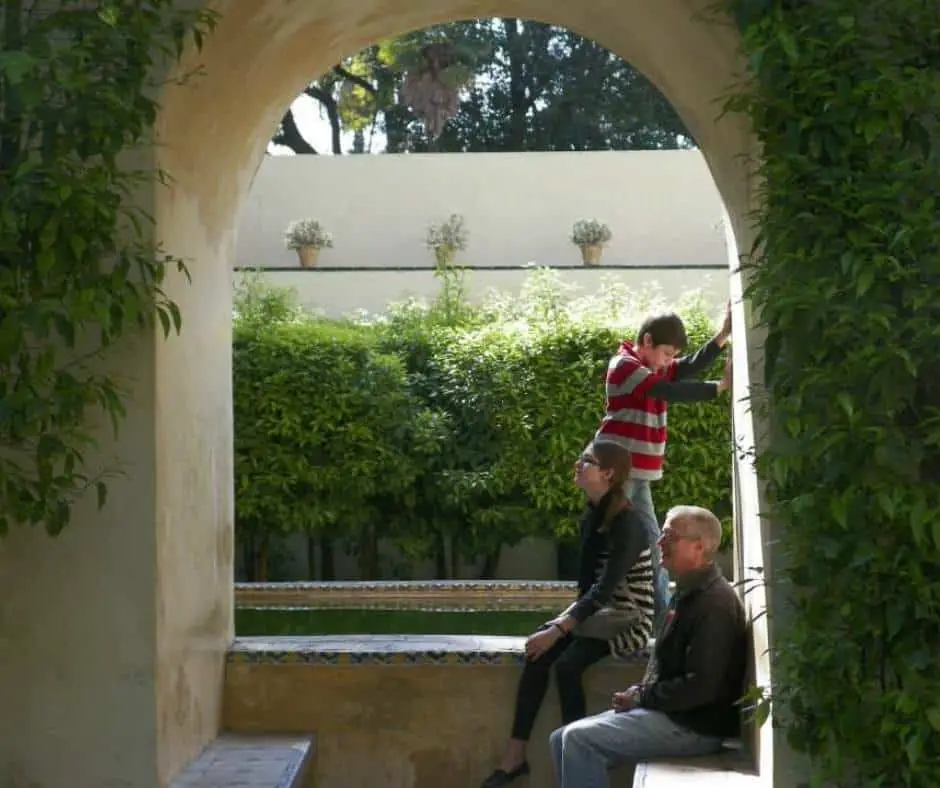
(731, 768)
(250, 761)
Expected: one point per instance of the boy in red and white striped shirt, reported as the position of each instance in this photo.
(642, 379)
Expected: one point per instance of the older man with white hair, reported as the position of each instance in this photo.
(686, 704)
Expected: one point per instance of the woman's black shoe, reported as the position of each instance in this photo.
(500, 777)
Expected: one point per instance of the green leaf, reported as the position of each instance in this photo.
(109, 15)
(15, 65)
(838, 508)
(933, 717)
(164, 316)
(788, 44)
(177, 317)
(845, 402)
(864, 282)
(762, 713)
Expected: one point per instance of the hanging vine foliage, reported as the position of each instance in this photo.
(845, 101)
(432, 84)
(78, 270)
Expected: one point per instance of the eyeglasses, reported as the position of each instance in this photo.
(674, 536)
(587, 459)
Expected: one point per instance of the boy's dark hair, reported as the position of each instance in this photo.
(666, 328)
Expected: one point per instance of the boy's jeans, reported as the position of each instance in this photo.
(639, 494)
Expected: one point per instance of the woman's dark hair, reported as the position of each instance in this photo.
(616, 458)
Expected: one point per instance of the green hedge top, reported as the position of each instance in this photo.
(469, 429)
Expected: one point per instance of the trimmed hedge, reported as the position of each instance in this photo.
(431, 435)
(322, 426)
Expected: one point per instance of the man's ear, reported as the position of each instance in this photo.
(646, 341)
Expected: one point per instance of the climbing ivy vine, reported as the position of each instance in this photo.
(78, 269)
(845, 101)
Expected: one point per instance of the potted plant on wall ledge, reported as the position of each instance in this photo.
(590, 236)
(308, 237)
(447, 238)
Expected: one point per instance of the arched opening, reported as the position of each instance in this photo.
(547, 128)
(156, 695)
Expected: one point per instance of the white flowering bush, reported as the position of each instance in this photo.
(447, 238)
(307, 232)
(590, 232)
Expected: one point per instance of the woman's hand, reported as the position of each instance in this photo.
(540, 642)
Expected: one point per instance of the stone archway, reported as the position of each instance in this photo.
(119, 654)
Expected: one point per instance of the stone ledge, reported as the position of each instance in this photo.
(731, 768)
(239, 761)
(389, 650)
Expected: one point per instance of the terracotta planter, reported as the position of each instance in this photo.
(591, 254)
(308, 256)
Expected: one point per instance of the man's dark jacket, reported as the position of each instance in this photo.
(701, 656)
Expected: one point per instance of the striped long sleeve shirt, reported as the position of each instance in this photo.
(637, 401)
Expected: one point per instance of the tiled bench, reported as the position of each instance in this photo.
(406, 711)
(239, 761)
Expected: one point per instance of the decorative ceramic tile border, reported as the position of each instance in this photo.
(327, 650)
(412, 586)
(465, 594)
(411, 605)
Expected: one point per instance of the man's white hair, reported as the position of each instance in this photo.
(702, 524)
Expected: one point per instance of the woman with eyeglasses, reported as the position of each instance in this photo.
(612, 616)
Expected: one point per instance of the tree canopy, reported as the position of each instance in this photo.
(488, 85)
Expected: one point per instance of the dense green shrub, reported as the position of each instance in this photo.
(322, 432)
(845, 102)
(537, 393)
(482, 420)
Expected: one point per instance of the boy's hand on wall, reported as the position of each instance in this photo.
(726, 380)
(725, 332)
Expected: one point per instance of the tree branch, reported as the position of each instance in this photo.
(327, 100)
(289, 136)
(360, 81)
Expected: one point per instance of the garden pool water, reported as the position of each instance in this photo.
(398, 607)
